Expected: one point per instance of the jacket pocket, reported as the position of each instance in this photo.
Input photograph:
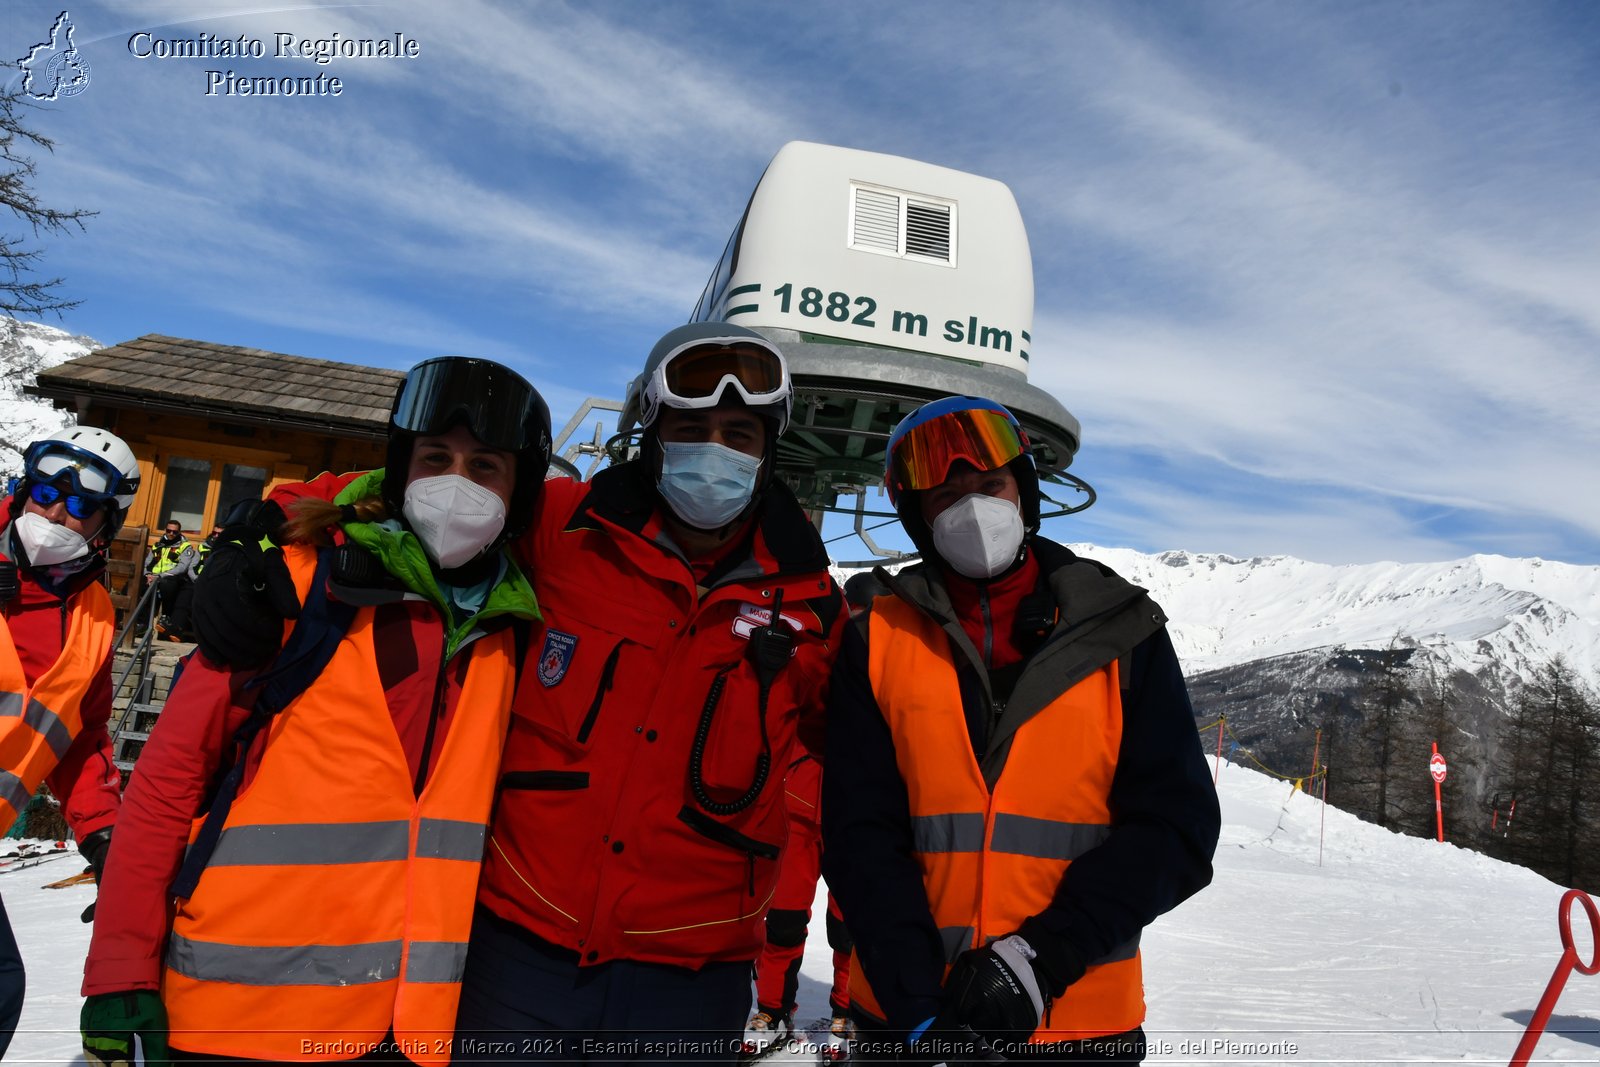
(607, 674)
(723, 834)
(562, 689)
(558, 781)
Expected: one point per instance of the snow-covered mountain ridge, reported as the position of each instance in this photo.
(1495, 617)
(26, 348)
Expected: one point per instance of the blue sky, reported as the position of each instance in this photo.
(1319, 279)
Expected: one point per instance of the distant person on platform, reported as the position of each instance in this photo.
(1014, 784)
(55, 665)
(171, 564)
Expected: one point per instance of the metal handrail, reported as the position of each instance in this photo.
(141, 654)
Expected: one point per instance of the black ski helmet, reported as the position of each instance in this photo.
(492, 401)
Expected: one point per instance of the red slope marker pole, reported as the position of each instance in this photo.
(1569, 960)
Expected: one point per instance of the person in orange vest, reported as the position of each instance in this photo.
(1014, 784)
(689, 627)
(55, 657)
(328, 919)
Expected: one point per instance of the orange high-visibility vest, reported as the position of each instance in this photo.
(992, 859)
(39, 722)
(337, 904)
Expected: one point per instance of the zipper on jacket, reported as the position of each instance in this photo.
(988, 625)
(599, 694)
(434, 714)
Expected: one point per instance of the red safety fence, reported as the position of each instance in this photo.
(1564, 967)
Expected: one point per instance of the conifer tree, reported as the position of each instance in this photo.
(21, 292)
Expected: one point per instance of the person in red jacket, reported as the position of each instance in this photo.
(55, 663)
(329, 919)
(778, 966)
(690, 624)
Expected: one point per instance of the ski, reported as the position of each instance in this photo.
(76, 879)
(28, 852)
(33, 860)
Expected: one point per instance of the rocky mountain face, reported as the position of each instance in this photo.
(1285, 647)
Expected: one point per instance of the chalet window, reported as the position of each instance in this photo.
(185, 496)
(239, 482)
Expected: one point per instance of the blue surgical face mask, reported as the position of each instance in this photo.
(706, 484)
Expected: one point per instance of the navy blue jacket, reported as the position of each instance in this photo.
(1165, 818)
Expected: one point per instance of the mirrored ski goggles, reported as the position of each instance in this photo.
(922, 457)
(696, 377)
(79, 505)
(496, 403)
(47, 462)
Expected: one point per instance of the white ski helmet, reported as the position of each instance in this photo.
(98, 463)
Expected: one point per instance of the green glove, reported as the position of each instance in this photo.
(110, 1021)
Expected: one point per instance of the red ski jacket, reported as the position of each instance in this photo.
(606, 841)
(601, 844)
(85, 780)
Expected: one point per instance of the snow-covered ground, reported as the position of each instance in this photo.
(1335, 943)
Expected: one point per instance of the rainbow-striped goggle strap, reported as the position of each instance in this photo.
(922, 453)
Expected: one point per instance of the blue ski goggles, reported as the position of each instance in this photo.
(79, 505)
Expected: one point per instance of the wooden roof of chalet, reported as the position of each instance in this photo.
(156, 372)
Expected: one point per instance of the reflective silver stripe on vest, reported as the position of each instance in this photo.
(277, 965)
(450, 839)
(41, 719)
(300, 843)
(436, 961)
(1023, 835)
(13, 791)
(1125, 951)
(956, 940)
(960, 831)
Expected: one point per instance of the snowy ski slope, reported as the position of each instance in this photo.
(1391, 950)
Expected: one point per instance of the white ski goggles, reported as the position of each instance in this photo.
(698, 375)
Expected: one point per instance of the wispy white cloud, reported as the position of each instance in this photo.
(1336, 263)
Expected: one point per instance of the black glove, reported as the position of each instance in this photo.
(242, 599)
(10, 584)
(994, 990)
(93, 849)
(949, 1044)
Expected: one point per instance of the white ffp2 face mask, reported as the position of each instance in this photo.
(979, 535)
(707, 484)
(455, 518)
(47, 543)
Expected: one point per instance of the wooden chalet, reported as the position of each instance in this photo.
(215, 424)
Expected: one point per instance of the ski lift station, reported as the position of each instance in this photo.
(887, 283)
